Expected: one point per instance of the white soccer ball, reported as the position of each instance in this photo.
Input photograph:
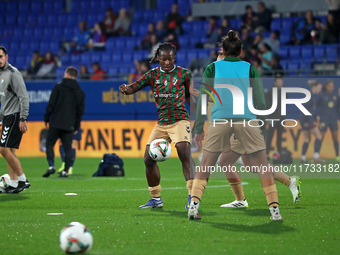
(75, 238)
(160, 150)
(4, 181)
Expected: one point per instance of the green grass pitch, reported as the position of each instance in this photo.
(108, 206)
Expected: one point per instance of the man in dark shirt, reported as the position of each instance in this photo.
(63, 116)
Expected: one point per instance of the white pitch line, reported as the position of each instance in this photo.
(122, 190)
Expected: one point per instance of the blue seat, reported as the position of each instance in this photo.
(187, 27)
(75, 59)
(286, 24)
(57, 32)
(71, 20)
(20, 62)
(131, 43)
(68, 33)
(181, 57)
(284, 64)
(51, 20)
(305, 66)
(10, 20)
(165, 5)
(11, 7)
(203, 53)
(61, 20)
(331, 52)
(148, 16)
(38, 32)
(125, 4)
(47, 7)
(65, 59)
(285, 38)
(293, 67)
(54, 47)
(44, 47)
(106, 58)
(58, 6)
(95, 57)
(91, 20)
(294, 52)
(192, 54)
(283, 52)
(127, 58)
(116, 58)
(21, 21)
(36, 7)
(120, 45)
(113, 70)
(159, 16)
(42, 19)
(24, 7)
(197, 27)
(184, 41)
(319, 53)
(124, 69)
(138, 16)
(275, 25)
(307, 52)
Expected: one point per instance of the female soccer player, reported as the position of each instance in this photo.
(235, 72)
(309, 126)
(170, 86)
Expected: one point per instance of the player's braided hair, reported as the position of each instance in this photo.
(231, 44)
(163, 47)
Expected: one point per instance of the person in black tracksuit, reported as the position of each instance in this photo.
(275, 115)
(63, 116)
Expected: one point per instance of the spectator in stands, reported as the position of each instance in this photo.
(81, 39)
(266, 56)
(122, 24)
(277, 69)
(48, 67)
(174, 20)
(84, 73)
(253, 54)
(161, 31)
(172, 38)
(146, 42)
(248, 18)
(263, 19)
(258, 65)
(35, 64)
(316, 32)
(301, 30)
(98, 72)
(197, 65)
(109, 21)
(273, 41)
(213, 33)
(141, 68)
(258, 40)
(244, 55)
(246, 38)
(330, 34)
(154, 45)
(97, 42)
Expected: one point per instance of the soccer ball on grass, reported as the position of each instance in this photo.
(4, 182)
(160, 150)
(75, 238)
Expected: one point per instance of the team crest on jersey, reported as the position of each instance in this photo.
(158, 82)
(166, 82)
(2, 81)
(174, 81)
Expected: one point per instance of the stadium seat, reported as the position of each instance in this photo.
(11, 7)
(124, 69)
(319, 53)
(10, 20)
(285, 38)
(116, 58)
(125, 4)
(61, 20)
(203, 53)
(283, 52)
(48, 7)
(58, 6)
(131, 43)
(75, 59)
(21, 21)
(148, 16)
(293, 67)
(138, 16)
(307, 52)
(181, 58)
(24, 7)
(120, 45)
(187, 27)
(95, 57)
(332, 53)
(294, 52)
(106, 58)
(127, 58)
(114, 70)
(184, 41)
(36, 7)
(286, 24)
(275, 25)
(65, 59)
(165, 5)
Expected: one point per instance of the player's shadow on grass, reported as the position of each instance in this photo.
(11, 197)
(270, 228)
(173, 213)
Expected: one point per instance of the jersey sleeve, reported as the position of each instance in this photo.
(144, 81)
(208, 78)
(188, 77)
(19, 88)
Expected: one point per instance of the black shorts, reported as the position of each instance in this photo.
(11, 134)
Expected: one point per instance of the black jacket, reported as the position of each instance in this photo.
(66, 106)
